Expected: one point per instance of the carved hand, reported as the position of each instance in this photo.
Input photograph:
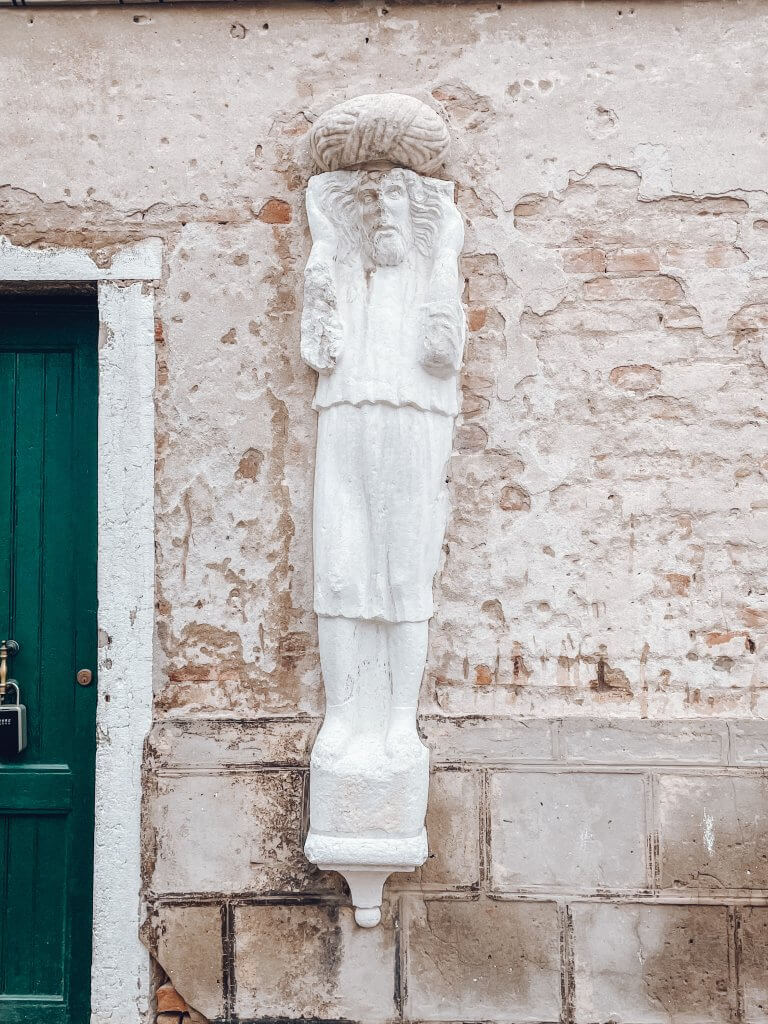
(443, 339)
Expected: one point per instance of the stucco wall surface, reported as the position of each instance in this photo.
(596, 689)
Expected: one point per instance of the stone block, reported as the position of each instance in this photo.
(581, 830)
(187, 942)
(749, 743)
(754, 976)
(482, 960)
(712, 832)
(651, 964)
(642, 742)
(453, 831)
(312, 961)
(233, 832)
(218, 743)
(485, 740)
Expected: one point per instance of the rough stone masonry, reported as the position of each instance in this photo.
(595, 699)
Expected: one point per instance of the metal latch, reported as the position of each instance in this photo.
(13, 717)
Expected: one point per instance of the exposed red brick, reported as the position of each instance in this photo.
(527, 208)
(631, 261)
(275, 211)
(715, 639)
(613, 288)
(755, 617)
(584, 261)
(169, 1000)
(476, 318)
(483, 675)
(636, 378)
(724, 256)
(471, 437)
(678, 583)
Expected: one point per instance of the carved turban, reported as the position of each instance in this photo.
(380, 126)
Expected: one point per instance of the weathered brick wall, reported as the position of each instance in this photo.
(610, 476)
(595, 697)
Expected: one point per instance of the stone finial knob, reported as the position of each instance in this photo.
(367, 917)
(381, 126)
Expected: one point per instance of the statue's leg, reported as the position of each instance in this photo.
(338, 650)
(338, 658)
(407, 647)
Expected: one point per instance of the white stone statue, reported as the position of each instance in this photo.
(384, 328)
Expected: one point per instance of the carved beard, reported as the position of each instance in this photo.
(387, 248)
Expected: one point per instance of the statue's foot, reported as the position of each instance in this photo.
(403, 741)
(333, 739)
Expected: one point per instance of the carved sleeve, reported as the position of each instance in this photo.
(321, 330)
(444, 325)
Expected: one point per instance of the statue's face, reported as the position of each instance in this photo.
(385, 217)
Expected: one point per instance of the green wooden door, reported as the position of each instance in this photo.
(48, 409)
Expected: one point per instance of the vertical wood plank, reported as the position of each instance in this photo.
(20, 911)
(7, 446)
(28, 513)
(58, 570)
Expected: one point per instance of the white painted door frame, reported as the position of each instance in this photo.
(126, 574)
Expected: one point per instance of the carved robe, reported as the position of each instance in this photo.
(384, 439)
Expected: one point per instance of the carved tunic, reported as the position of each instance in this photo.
(380, 360)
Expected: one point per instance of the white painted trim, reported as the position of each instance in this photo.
(126, 456)
(141, 261)
(126, 570)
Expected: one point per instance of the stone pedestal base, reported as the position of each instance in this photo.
(366, 862)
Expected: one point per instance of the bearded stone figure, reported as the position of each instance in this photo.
(384, 328)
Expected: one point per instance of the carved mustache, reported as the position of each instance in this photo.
(384, 226)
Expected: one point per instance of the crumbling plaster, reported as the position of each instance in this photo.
(606, 549)
(235, 624)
